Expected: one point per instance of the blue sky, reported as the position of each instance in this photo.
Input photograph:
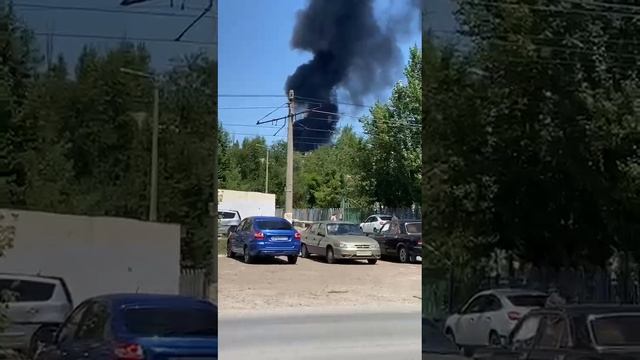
(255, 58)
(59, 17)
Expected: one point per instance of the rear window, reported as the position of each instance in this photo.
(616, 330)
(273, 225)
(24, 291)
(385, 218)
(414, 228)
(171, 322)
(226, 215)
(528, 300)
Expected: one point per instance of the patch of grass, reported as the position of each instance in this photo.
(222, 245)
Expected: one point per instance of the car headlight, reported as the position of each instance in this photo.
(343, 245)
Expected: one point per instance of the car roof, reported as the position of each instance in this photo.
(228, 210)
(511, 292)
(126, 300)
(265, 218)
(17, 276)
(588, 309)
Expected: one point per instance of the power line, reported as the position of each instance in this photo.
(245, 107)
(102, 10)
(123, 38)
(249, 96)
(274, 110)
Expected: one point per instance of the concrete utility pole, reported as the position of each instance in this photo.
(153, 196)
(288, 209)
(266, 177)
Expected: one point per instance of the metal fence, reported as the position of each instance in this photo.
(441, 295)
(194, 282)
(355, 215)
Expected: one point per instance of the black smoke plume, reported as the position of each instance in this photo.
(350, 51)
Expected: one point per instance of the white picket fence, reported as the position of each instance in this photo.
(194, 282)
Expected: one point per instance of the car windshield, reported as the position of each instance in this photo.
(343, 229)
(616, 330)
(413, 228)
(528, 300)
(171, 322)
(281, 224)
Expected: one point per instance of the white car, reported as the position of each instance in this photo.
(374, 223)
(489, 316)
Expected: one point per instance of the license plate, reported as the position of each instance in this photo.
(363, 253)
(279, 238)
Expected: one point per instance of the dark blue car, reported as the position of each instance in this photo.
(137, 327)
(260, 236)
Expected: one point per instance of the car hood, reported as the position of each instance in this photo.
(354, 239)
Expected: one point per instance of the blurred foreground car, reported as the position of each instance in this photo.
(401, 239)
(35, 307)
(137, 327)
(573, 332)
(339, 241)
(489, 316)
(261, 236)
(436, 346)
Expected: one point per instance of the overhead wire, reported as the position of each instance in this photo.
(101, 10)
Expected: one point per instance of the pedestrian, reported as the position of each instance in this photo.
(334, 217)
(554, 299)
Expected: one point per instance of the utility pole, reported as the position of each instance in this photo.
(214, 251)
(153, 188)
(266, 177)
(288, 209)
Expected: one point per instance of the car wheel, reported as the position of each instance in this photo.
(403, 254)
(372, 261)
(248, 259)
(292, 259)
(304, 252)
(330, 257)
(39, 339)
(230, 253)
(494, 339)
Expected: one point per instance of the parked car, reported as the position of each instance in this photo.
(137, 326)
(264, 236)
(435, 345)
(338, 240)
(374, 223)
(227, 219)
(401, 239)
(489, 316)
(573, 332)
(36, 306)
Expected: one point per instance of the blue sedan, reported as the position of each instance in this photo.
(137, 327)
(261, 236)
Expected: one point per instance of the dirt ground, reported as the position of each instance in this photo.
(312, 283)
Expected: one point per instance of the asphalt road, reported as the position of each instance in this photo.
(383, 334)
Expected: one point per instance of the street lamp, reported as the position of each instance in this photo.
(153, 197)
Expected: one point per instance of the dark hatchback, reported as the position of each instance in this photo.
(137, 327)
(401, 239)
(573, 332)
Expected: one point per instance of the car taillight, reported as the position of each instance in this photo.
(297, 236)
(129, 352)
(419, 242)
(513, 315)
(258, 236)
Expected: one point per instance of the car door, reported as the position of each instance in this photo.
(321, 238)
(524, 336)
(27, 302)
(66, 347)
(94, 336)
(382, 239)
(234, 237)
(242, 234)
(367, 225)
(309, 239)
(486, 318)
(553, 339)
(466, 327)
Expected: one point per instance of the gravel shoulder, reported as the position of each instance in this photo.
(273, 286)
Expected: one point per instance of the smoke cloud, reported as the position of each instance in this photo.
(351, 51)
